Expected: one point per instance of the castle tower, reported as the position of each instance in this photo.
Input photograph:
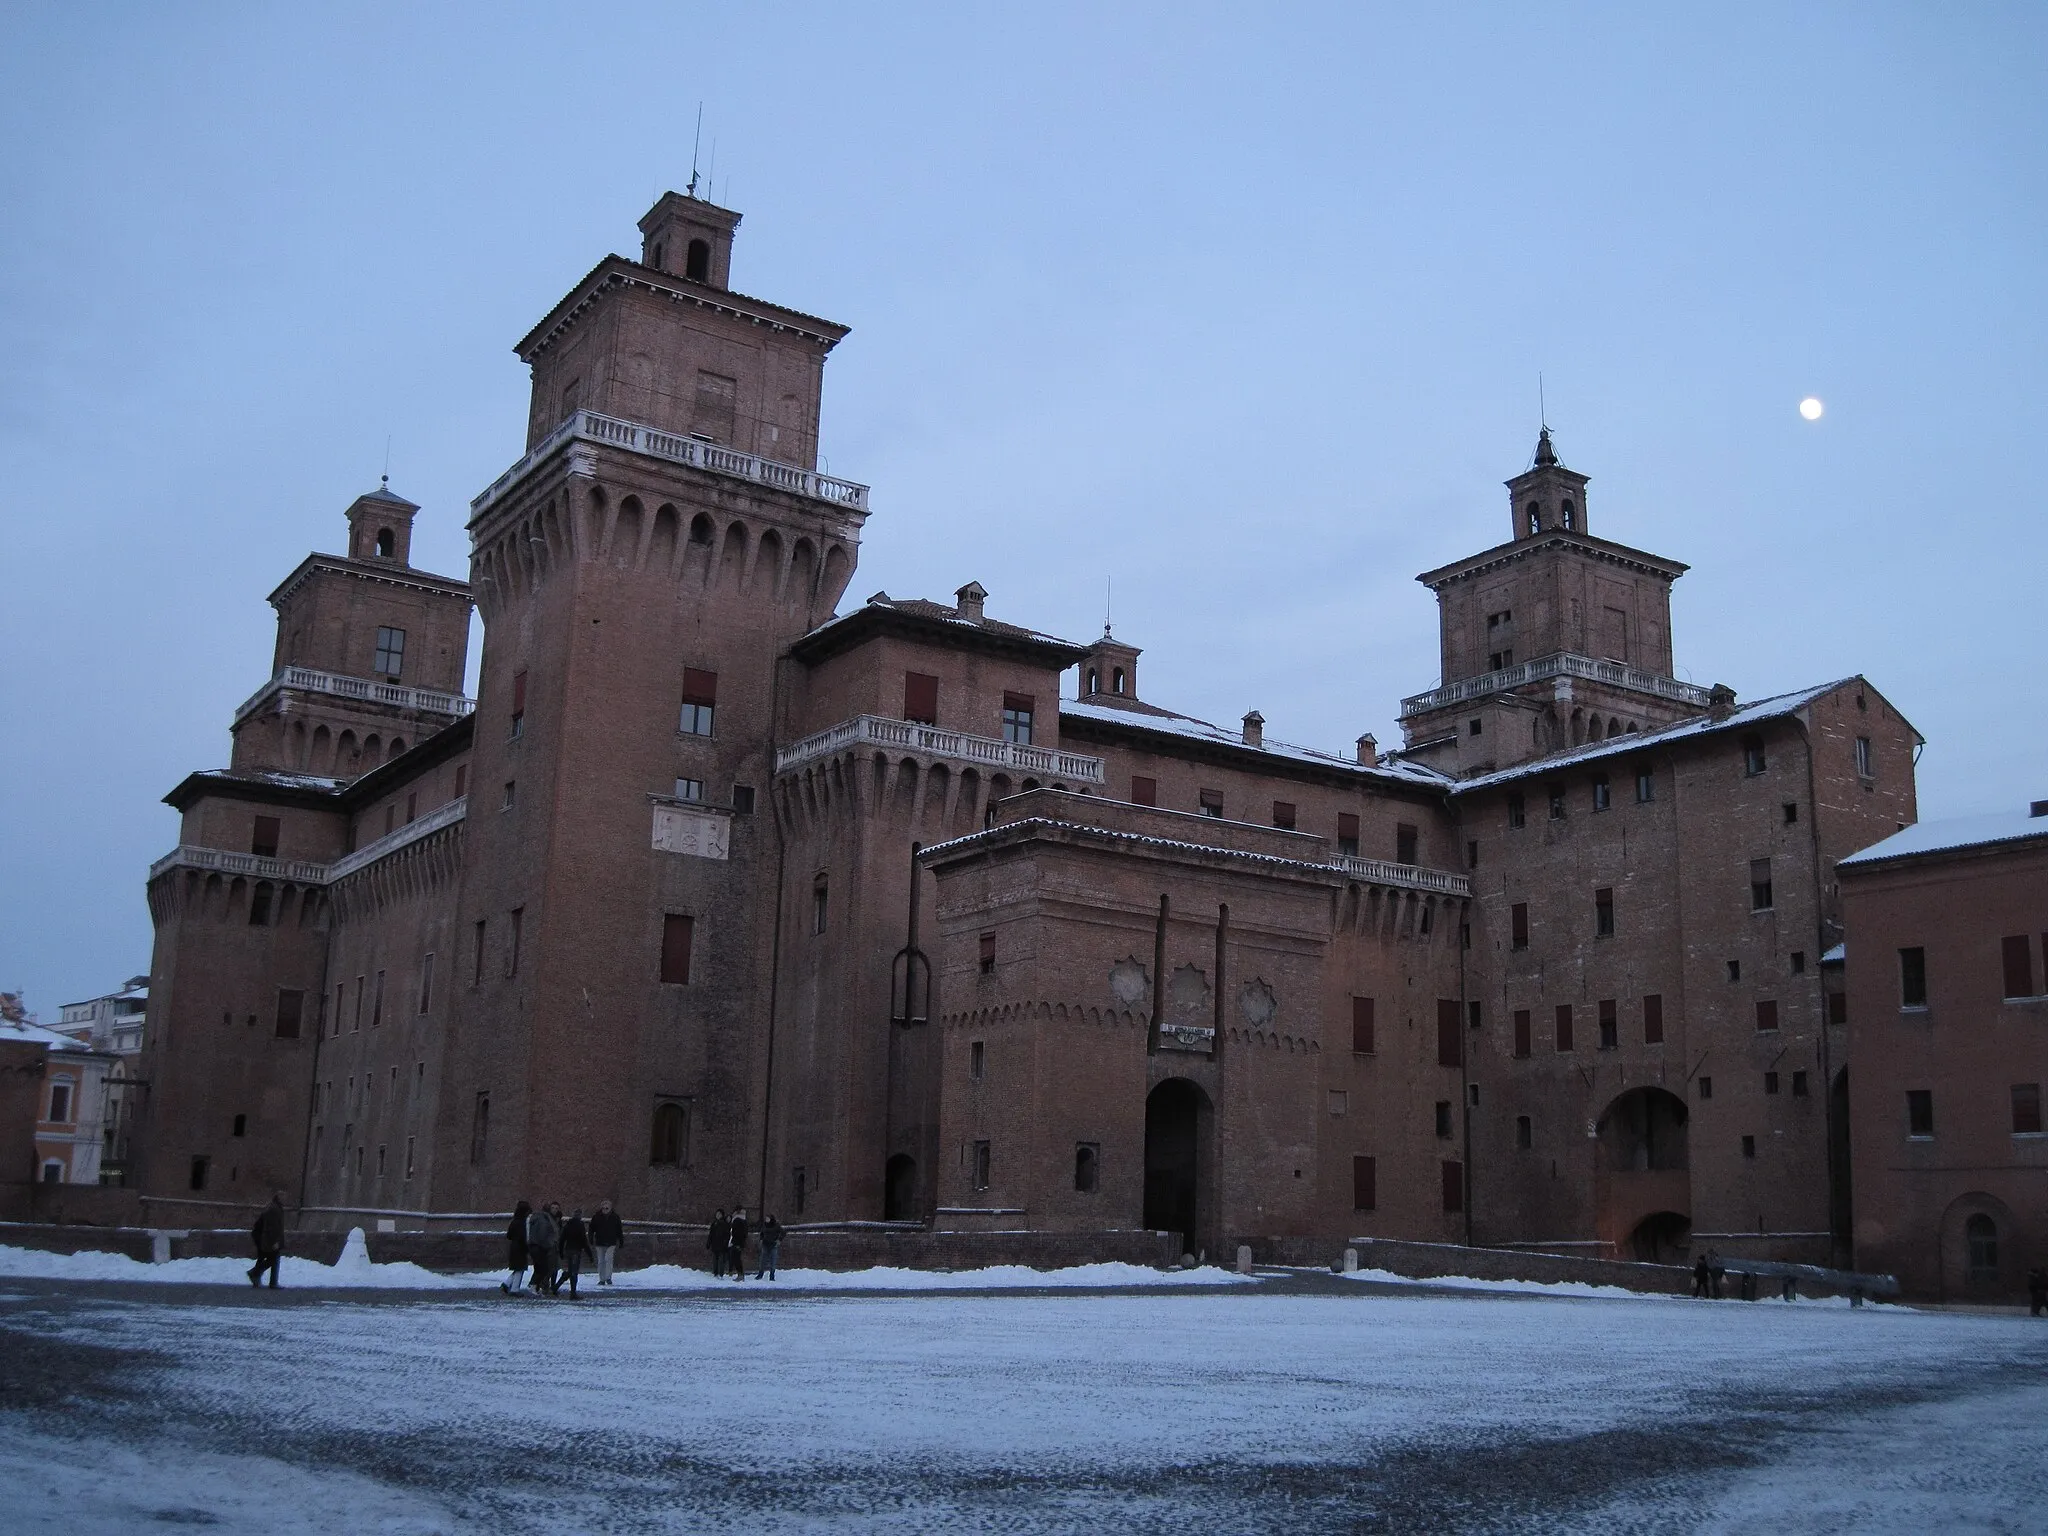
(1549, 640)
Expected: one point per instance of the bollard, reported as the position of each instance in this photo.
(387, 1224)
(1350, 1261)
(159, 1247)
(1244, 1258)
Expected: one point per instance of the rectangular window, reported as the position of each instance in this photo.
(1799, 1088)
(412, 806)
(677, 930)
(1144, 791)
(1347, 834)
(1518, 924)
(1361, 1026)
(1564, 1026)
(1735, 970)
(1753, 760)
(476, 977)
(1706, 1087)
(1211, 802)
(1646, 786)
(479, 1128)
(1454, 1186)
(1653, 1018)
(510, 797)
(1364, 1183)
(390, 818)
(1517, 811)
(1525, 1132)
(461, 780)
(689, 789)
(1759, 885)
(1283, 815)
(263, 842)
(1610, 1026)
(797, 1189)
(1443, 1120)
(199, 1166)
(1913, 978)
(518, 704)
(1522, 1032)
(1766, 1014)
(1791, 813)
(408, 1156)
(1798, 962)
(377, 1003)
(1770, 1082)
(2018, 953)
(1450, 1039)
(921, 698)
(743, 799)
(1405, 838)
(518, 916)
(977, 1060)
(390, 659)
(821, 904)
(1018, 709)
(291, 1008)
(981, 1161)
(60, 1103)
(700, 702)
(1603, 913)
(2026, 1109)
(1476, 728)
(1603, 796)
(355, 1025)
(1865, 762)
(988, 954)
(1556, 805)
(1749, 1146)
(1919, 1112)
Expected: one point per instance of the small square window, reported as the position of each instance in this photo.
(1919, 1112)
(977, 1059)
(1283, 814)
(1799, 1088)
(1602, 796)
(1798, 962)
(1770, 1082)
(1706, 1086)
(689, 789)
(1603, 913)
(1913, 977)
(1476, 728)
(1735, 970)
(1443, 1119)
(1646, 786)
(1791, 813)
(1557, 805)
(1517, 813)
(743, 799)
(1211, 802)
(1749, 1146)
(1144, 790)
(389, 662)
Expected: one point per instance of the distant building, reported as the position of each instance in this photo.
(1947, 969)
(113, 1024)
(63, 1139)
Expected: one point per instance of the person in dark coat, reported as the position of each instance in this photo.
(515, 1239)
(607, 1232)
(269, 1235)
(1702, 1278)
(717, 1240)
(542, 1234)
(771, 1246)
(2037, 1291)
(736, 1235)
(575, 1247)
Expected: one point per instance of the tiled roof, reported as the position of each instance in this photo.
(1953, 834)
(1152, 718)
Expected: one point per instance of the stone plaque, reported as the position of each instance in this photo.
(701, 834)
(1257, 1003)
(1128, 982)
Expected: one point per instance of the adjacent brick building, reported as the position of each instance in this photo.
(911, 912)
(1947, 1005)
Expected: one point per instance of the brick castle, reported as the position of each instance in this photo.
(720, 895)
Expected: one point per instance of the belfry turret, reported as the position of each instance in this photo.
(1546, 497)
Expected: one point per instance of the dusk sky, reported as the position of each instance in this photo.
(1242, 309)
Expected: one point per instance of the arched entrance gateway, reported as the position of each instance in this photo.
(1179, 1163)
(899, 1189)
(1641, 1178)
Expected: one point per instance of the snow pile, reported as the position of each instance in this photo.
(1556, 1288)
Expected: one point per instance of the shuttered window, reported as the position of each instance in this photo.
(1653, 1019)
(1564, 1026)
(263, 843)
(1361, 1026)
(1365, 1184)
(1283, 814)
(1518, 918)
(700, 700)
(1347, 833)
(2019, 966)
(1766, 1014)
(1522, 1032)
(1450, 1039)
(921, 698)
(1144, 791)
(676, 933)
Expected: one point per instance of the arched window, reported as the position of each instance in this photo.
(1568, 522)
(658, 252)
(1086, 1167)
(1535, 512)
(259, 905)
(697, 262)
(387, 543)
(665, 1149)
(1980, 1234)
(1094, 681)
(1116, 678)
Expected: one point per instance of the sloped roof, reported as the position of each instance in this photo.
(1151, 717)
(881, 610)
(1953, 835)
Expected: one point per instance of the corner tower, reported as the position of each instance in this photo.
(1549, 640)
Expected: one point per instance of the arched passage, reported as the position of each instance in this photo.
(899, 1188)
(1179, 1162)
(1641, 1180)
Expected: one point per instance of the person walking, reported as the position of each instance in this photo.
(1702, 1278)
(575, 1246)
(737, 1234)
(542, 1234)
(2037, 1291)
(607, 1232)
(771, 1246)
(717, 1240)
(515, 1241)
(269, 1235)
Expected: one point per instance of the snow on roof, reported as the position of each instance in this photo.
(1957, 832)
(1636, 741)
(271, 776)
(1836, 956)
(1155, 719)
(925, 608)
(35, 1034)
(1143, 840)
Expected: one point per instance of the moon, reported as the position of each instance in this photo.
(1811, 408)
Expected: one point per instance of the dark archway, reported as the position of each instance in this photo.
(1643, 1131)
(1177, 1127)
(1663, 1237)
(697, 261)
(899, 1188)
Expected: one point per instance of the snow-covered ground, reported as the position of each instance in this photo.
(1264, 1406)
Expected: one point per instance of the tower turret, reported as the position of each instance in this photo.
(1546, 497)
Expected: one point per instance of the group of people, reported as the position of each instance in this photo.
(727, 1242)
(551, 1248)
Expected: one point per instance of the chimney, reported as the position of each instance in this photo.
(1255, 729)
(2038, 808)
(970, 598)
(1720, 701)
(1369, 750)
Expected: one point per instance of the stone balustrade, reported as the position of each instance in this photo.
(307, 871)
(1564, 664)
(370, 690)
(1409, 876)
(589, 426)
(909, 735)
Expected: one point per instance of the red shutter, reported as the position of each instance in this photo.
(1653, 1019)
(1365, 1184)
(2019, 964)
(1450, 1041)
(1454, 1186)
(264, 843)
(676, 932)
(698, 687)
(1347, 825)
(1283, 814)
(921, 698)
(1020, 701)
(1144, 791)
(1522, 1031)
(1564, 1026)
(519, 692)
(1767, 1014)
(1361, 1025)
